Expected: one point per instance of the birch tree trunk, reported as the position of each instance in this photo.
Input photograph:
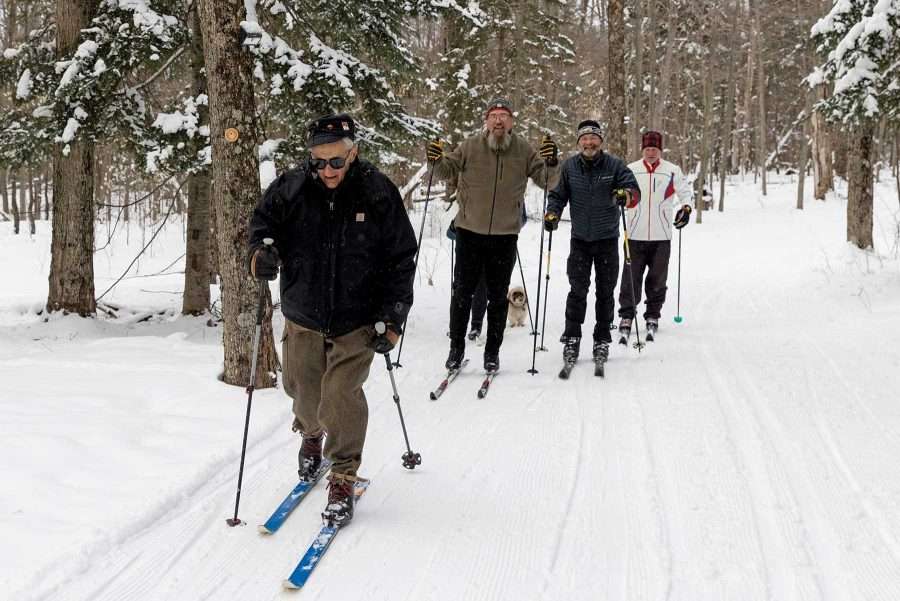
(859, 198)
(235, 185)
(196, 260)
(72, 247)
(616, 140)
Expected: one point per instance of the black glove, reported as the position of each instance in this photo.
(265, 262)
(621, 197)
(386, 336)
(551, 221)
(451, 230)
(435, 150)
(682, 217)
(549, 151)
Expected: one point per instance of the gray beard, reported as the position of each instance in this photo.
(500, 145)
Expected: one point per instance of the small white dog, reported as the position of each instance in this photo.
(518, 307)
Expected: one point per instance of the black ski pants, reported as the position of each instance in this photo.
(603, 257)
(651, 256)
(492, 257)
(479, 304)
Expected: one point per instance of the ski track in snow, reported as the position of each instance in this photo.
(746, 455)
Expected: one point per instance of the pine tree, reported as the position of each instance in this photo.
(860, 45)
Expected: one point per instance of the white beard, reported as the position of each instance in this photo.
(499, 145)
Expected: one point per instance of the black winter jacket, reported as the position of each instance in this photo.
(588, 186)
(348, 255)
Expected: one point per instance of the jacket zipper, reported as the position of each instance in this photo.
(497, 173)
(652, 170)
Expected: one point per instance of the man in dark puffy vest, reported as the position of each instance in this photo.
(346, 250)
(595, 185)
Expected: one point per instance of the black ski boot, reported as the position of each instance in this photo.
(310, 457)
(491, 361)
(601, 355)
(652, 327)
(571, 344)
(454, 359)
(341, 498)
(624, 330)
(475, 333)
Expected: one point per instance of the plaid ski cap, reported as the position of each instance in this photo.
(499, 103)
(330, 128)
(588, 126)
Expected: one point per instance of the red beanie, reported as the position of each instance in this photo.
(651, 138)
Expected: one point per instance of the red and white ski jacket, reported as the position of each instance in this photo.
(660, 184)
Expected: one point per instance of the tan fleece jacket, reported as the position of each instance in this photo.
(491, 185)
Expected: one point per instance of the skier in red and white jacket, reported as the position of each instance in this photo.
(650, 232)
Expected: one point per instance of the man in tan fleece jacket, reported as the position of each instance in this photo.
(492, 170)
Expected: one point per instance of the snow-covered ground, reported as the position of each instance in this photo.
(749, 454)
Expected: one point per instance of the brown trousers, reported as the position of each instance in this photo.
(325, 376)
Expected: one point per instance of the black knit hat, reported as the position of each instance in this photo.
(588, 126)
(499, 103)
(330, 128)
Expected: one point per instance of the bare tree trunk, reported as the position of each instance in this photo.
(616, 140)
(72, 248)
(727, 131)
(705, 141)
(45, 175)
(235, 181)
(822, 151)
(634, 122)
(761, 126)
(196, 261)
(801, 167)
(14, 181)
(859, 198)
(33, 199)
(3, 191)
(658, 100)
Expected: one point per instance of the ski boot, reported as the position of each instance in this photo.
(652, 327)
(491, 361)
(310, 456)
(571, 345)
(601, 355)
(475, 333)
(624, 330)
(454, 359)
(341, 498)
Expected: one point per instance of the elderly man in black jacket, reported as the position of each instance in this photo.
(595, 185)
(346, 250)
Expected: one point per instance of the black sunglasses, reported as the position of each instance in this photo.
(336, 162)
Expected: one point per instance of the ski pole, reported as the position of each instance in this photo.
(418, 248)
(263, 288)
(452, 269)
(537, 309)
(678, 317)
(546, 291)
(410, 459)
(525, 288)
(638, 345)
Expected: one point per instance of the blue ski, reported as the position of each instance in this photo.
(292, 500)
(317, 548)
